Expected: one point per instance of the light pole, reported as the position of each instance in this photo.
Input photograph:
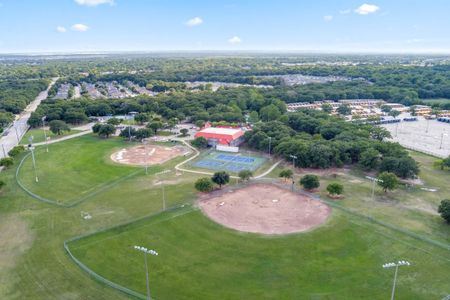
(396, 265)
(4, 151)
(428, 125)
(442, 139)
(163, 189)
(45, 133)
(293, 160)
(270, 143)
(32, 156)
(151, 252)
(373, 184)
(17, 134)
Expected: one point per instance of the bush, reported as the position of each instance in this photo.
(6, 162)
(2, 184)
(16, 150)
(245, 175)
(388, 181)
(204, 185)
(444, 210)
(310, 182)
(220, 178)
(335, 188)
(200, 142)
(286, 174)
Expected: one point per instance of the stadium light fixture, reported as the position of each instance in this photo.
(30, 139)
(151, 252)
(293, 160)
(374, 179)
(163, 188)
(395, 265)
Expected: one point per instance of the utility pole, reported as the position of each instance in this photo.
(270, 144)
(4, 151)
(17, 134)
(45, 133)
(293, 160)
(373, 184)
(32, 156)
(163, 188)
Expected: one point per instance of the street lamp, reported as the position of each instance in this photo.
(442, 139)
(396, 265)
(45, 133)
(30, 139)
(151, 252)
(373, 183)
(163, 189)
(17, 133)
(293, 160)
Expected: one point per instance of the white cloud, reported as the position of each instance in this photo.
(366, 9)
(94, 2)
(327, 18)
(61, 29)
(345, 11)
(194, 22)
(235, 40)
(80, 27)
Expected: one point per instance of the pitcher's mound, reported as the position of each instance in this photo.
(265, 208)
(143, 155)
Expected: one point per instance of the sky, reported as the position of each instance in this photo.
(384, 26)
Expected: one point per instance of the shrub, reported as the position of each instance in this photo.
(16, 150)
(6, 162)
(200, 142)
(310, 182)
(388, 181)
(286, 174)
(245, 175)
(204, 185)
(444, 210)
(335, 188)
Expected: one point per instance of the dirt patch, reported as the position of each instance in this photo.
(145, 155)
(266, 209)
(15, 238)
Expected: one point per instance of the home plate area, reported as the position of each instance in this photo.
(144, 155)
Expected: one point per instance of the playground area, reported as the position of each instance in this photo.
(231, 162)
(150, 154)
(265, 209)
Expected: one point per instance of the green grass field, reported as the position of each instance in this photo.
(198, 258)
(39, 137)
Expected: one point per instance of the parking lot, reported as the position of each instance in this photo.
(428, 136)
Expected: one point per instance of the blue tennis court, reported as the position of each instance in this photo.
(219, 161)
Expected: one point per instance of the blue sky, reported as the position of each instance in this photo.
(270, 25)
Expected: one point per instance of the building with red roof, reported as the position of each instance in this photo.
(222, 136)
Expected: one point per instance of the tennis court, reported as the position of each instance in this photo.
(220, 161)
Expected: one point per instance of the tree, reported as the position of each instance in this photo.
(200, 142)
(270, 112)
(143, 133)
(370, 159)
(286, 174)
(114, 121)
(184, 131)
(327, 108)
(344, 110)
(220, 178)
(141, 118)
(310, 182)
(155, 125)
(96, 127)
(245, 175)
(387, 181)
(6, 162)
(199, 123)
(335, 188)
(127, 132)
(58, 127)
(253, 117)
(394, 113)
(106, 130)
(386, 108)
(444, 210)
(16, 151)
(204, 185)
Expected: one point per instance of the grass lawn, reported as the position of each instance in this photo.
(199, 259)
(436, 100)
(38, 135)
(74, 169)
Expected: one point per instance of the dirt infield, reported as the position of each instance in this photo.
(266, 209)
(143, 155)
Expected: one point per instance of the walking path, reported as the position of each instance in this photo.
(67, 137)
(18, 129)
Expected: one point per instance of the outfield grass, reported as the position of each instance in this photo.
(199, 259)
(39, 137)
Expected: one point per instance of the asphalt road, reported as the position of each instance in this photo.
(19, 127)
